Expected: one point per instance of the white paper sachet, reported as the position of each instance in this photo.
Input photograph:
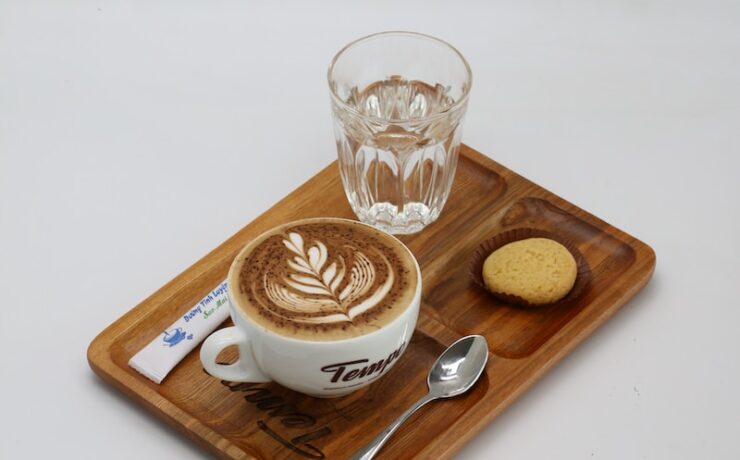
(157, 359)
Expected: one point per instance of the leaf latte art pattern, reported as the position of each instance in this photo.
(320, 287)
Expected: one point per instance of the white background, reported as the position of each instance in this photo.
(136, 136)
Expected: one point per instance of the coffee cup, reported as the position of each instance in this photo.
(323, 306)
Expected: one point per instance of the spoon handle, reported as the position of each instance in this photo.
(369, 450)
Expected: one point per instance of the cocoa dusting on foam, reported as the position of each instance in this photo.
(326, 281)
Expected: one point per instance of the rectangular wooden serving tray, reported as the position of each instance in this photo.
(259, 420)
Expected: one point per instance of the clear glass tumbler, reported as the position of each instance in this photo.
(398, 100)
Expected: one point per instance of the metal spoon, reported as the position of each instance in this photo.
(454, 372)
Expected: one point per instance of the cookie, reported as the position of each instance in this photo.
(538, 270)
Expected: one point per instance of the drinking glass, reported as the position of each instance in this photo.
(398, 102)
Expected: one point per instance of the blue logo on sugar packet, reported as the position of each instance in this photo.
(175, 336)
(201, 311)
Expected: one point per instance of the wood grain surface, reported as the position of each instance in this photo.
(264, 421)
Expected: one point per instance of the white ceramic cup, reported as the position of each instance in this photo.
(323, 369)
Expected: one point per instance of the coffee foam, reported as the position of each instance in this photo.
(325, 280)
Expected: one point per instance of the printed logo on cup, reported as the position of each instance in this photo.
(359, 369)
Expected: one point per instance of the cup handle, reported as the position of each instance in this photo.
(245, 368)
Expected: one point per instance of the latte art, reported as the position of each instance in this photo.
(326, 280)
(323, 292)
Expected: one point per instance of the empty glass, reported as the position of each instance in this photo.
(398, 100)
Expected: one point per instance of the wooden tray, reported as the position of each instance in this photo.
(254, 420)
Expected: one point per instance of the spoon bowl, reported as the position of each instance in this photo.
(459, 367)
(455, 372)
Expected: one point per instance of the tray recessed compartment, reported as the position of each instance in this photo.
(513, 331)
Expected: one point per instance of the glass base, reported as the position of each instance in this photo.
(386, 216)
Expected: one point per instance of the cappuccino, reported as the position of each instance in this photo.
(324, 279)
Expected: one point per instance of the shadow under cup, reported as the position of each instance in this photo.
(320, 368)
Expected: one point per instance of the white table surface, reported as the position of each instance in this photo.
(136, 136)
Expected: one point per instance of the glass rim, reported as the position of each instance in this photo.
(457, 104)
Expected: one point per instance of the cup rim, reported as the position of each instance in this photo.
(236, 310)
(338, 100)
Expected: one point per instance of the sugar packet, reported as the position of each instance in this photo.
(162, 354)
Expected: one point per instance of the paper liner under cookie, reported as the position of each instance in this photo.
(475, 267)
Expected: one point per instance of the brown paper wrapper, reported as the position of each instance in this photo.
(475, 268)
